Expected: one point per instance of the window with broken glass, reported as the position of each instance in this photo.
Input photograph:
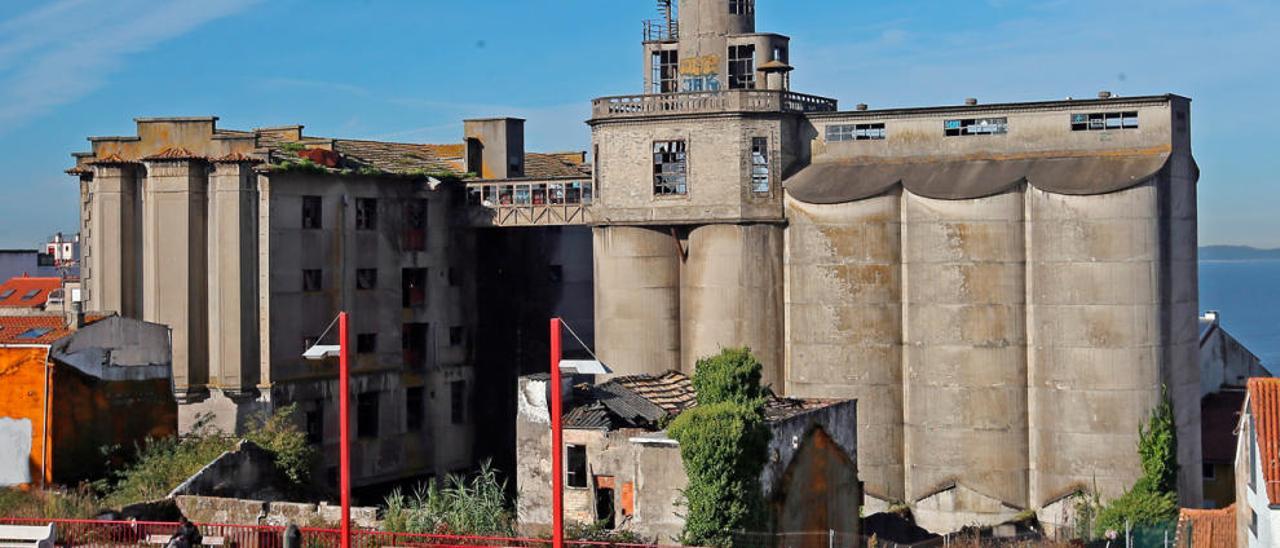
(312, 280)
(760, 164)
(311, 208)
(366, 278)
(1104, 121)
(666, 71)
(366, 213)
(742, 67)
(670, 168)
(576, 471)
(856, 132)
(976, 126)
(415, 225)
(742, 7)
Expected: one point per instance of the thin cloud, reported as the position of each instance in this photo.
(56, 54)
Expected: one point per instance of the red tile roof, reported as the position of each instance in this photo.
(1264, 404)
(1209, 528)
(174, 154)
(32, 329)
(27, 292)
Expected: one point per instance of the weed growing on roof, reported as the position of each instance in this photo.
(300, 165)
(724, 444)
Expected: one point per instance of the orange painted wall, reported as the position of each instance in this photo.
(22, 393)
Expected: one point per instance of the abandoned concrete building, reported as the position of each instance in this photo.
(248, 243)
(624, 472)
(1004, 288)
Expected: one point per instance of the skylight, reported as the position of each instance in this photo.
(34, 333)
(7, 293)
(30, 294)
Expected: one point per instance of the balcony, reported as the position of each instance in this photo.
(529, 203)
(661, 30)
(707, 102)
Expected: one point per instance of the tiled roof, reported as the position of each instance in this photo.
(235, 158)
(1219, 415)
(27, 292)
(174, 154)
(32, 329)
(1264, 401)
(112, 160)
(402, 158)
(592, 416)
(540, 166)
(784, 408)
(1208, 528)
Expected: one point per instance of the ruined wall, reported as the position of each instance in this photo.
(202, 509)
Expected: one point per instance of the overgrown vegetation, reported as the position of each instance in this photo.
(724, 445)
(1153, 500)
(299, 165)
(160, 465)
(35, 504)
(463, 507)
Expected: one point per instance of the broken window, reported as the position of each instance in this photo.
(522, 195)
(456, 335)
(366, 278)
(458, 402)
(312, 280)
(576, 469)
(670, 168)
(539, 194)
(366, 343)
(606, 516)
(414, 409)
(453, 277)
(856, 132)
(366, 214)
(413, 343)
(742, 67)
(666, 71)
(311, 210)
(367, 415)
(1104, 121)
(315, 423)
(413, 287)
(976, 126)
(759, 164)
(415, 225)
(742, 7)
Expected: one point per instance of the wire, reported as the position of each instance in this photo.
(579, 339)
(326, 331)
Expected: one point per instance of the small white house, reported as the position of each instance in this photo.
(1258, 466)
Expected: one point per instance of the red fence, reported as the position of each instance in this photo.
(93, 533)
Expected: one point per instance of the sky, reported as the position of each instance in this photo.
(411, 70)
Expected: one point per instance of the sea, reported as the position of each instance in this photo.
(1247, 294)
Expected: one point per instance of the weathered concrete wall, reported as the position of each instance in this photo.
(233, 277)
(965, 345)
(247, 471)
(1224, 362)
(731, 295)
(637, 299)
(844, 322)
(203, 509)
(112, 254)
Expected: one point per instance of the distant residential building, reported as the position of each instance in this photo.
(1225, 363)
(1225, 367)
(24, 296)
(1258, 466)
(65, 253)
(624, 472)
(70, 388)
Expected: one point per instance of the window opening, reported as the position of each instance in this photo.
(539, 194)
(742, 70)
(605, 514)
(666, 71)
(458, 402)
(1208, 472)
(315, 423)
(456, 335)
(414, 408)
(1104, 121)
(856, 132)
(415, 225)
(413, 344)
(759, 164)
(311, 211)
(670, 168)
(741, 7)
(976, 126)
(413, 290)
(366, 278)
(366, 214)
(366, 343)
(312, 280)
(367, 415)
(576, 469)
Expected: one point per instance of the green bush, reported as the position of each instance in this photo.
(279, 434)
(724, 444)
(476, 507)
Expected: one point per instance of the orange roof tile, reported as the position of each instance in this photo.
(236, 158)
(174, 154)
(1264, 402)
(112, 159)
(32, 329)
(27, 292)
(1209, 528)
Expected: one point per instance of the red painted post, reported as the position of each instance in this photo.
(344, 437)
(557, 441)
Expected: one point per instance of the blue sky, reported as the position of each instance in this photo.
(410, 70)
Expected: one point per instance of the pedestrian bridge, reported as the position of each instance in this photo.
(529, 202)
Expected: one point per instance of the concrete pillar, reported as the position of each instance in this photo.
(233, 277)
(114, 240)
(844, 322)
(637, 299)
(731, 295)
(175, 255)
(965, 348)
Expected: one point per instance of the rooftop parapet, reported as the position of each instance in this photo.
(708, 102)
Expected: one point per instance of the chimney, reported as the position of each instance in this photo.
(495, 147)
(76, 319)
(972, 102)
(1104, 94)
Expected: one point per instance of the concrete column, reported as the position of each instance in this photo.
(844, 322)
(175, 255)
(233, 278)
(731, 295)
(637, 299)
(114, 239)
(965, 354)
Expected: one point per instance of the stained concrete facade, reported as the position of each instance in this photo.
(1005, 288)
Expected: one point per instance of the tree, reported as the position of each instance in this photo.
(724, 445)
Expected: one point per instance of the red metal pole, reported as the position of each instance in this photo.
(557, 441)
(344, 437)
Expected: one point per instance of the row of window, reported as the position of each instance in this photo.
(415, 214)
(1105, 121)
(369, 407)
(671, 167)
(530, 194)
(413, 283)
(413, 339)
